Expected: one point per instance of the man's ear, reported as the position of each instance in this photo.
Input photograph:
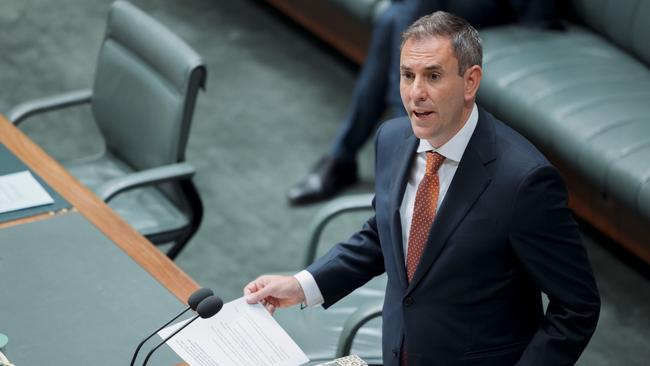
(472, 80)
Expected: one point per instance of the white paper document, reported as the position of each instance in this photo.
(21, 190)
(239, 335)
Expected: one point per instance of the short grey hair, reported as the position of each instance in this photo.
(464, 38)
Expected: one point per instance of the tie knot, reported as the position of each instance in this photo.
(434, 161)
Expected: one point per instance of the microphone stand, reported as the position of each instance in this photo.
(135, 354)
(168, 338)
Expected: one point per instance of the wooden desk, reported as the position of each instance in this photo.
(80, 286)
(96, 211)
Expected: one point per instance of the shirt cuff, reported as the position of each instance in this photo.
(313, 296)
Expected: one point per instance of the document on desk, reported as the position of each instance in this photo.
(21, 190)
(239, 335)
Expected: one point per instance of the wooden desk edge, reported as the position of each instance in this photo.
(97, 212)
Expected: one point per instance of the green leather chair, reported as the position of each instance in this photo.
(352, 325)
(142, 101)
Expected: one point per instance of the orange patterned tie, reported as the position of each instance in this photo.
(424, 210)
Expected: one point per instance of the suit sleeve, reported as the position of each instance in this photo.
(352, 263)
(546, 240)
(349, 265)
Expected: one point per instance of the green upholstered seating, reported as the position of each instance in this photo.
(583, 97)
(142, 100)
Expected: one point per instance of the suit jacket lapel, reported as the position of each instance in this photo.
(470, 180)
(403, 162)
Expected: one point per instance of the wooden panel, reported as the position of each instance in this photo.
(97, 212)
(25, 220)
(333, 25)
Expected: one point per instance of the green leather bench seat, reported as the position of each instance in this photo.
(583, 97)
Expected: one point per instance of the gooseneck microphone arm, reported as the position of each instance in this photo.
(206, 309)
(193, 301)
(135, 354)
(166, 339)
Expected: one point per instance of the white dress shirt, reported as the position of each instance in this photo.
(453, 151)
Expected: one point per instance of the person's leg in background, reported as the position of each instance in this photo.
(376, 89)
(370, 96)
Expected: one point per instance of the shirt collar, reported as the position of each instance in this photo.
(455, 147)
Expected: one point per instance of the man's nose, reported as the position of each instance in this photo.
(418, 91)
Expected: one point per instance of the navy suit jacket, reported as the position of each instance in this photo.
(503, 234)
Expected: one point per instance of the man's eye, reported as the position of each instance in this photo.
(435, 76)
(407, 75)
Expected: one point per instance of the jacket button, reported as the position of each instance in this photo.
(408, 301)
(394, 353)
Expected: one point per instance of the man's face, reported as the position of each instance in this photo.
(438, 100)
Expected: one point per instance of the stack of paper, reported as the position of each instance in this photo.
(21, 190)
(239, 335)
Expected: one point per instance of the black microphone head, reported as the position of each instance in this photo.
(209, 306)
(198, 296)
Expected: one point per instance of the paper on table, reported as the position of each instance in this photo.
(239, 335)
(21, 190)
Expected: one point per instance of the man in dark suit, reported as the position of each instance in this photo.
(470, 225)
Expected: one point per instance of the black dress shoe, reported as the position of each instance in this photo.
(326, 178)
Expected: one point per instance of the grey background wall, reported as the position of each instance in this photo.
(274, 99)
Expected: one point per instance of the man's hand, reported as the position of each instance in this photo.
(274, 292)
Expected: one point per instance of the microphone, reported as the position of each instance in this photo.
(193, 302)
(206, 309)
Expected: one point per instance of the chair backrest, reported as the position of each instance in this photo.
(625, 22)
(145, 89)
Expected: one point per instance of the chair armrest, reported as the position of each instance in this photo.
(339, 206)
(27, 109)
(166, 173)
(354, 322)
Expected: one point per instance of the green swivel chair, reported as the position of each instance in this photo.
(142, 101)
(353, 324)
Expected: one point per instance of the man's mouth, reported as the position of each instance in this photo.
(422, 114)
